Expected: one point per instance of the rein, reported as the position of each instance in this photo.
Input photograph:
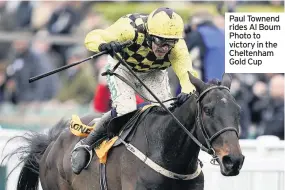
(209, 149)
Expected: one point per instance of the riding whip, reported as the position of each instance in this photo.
(124, 44)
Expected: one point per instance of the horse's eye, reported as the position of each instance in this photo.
(208, 111)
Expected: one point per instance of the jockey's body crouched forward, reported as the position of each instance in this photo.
(157, 44)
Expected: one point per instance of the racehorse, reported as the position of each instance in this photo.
(171, 161)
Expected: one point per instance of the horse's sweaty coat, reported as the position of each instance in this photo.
(47, 157)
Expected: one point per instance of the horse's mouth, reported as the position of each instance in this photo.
(229, 168)
(229, 173)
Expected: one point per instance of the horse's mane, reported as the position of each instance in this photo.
(214, 81)
(172, 108)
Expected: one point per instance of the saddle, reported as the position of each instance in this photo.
(122, 127)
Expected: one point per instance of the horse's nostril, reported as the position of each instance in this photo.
(227, 161)
(233, 162)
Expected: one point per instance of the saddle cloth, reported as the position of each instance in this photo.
(79, 129)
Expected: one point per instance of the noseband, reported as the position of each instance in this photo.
(209, 149)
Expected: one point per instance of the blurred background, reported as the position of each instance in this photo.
(39, 36)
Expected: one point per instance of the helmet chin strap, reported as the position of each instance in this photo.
(149, 40)
(148, 37)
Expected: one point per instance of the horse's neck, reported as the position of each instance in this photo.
(186, 113)
(178, 146)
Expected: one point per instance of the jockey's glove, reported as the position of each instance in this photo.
(111, 47)
(181, 98)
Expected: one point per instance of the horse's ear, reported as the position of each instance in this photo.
(227, 80)
(199, 85)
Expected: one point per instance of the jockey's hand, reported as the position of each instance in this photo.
(111, 47)
(181, 98)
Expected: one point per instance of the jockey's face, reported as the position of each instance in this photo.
(161, 47)
(159, 51)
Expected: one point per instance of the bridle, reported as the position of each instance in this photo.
(199, 123)
(209, 149)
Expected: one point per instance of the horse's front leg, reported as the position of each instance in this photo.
(158, 182)
(153, 186)
(196, 184)
(149, 179)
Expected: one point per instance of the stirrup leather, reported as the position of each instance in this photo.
(87, 148)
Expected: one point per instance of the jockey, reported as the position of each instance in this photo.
(157, 43)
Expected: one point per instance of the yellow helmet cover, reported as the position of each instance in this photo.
(164, 22)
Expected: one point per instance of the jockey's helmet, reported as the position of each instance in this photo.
(165, 23)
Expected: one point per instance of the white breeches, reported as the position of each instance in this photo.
(123, 96)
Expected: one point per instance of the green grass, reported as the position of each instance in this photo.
(114, 10)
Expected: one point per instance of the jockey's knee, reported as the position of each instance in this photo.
(124, 109)
(114, 112)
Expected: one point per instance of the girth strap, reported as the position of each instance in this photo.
(103, 181)
(158, 168)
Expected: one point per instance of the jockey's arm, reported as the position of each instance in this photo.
(181, 63)
(120, 31)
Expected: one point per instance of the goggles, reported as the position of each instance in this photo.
(163, 41)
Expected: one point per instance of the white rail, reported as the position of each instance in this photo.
(263, 167)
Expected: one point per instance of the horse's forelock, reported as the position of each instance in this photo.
(214, 82)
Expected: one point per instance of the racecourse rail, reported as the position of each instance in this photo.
(263, 168)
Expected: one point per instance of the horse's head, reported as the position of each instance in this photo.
(219, 116)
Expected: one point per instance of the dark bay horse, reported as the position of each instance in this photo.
(212, 118)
